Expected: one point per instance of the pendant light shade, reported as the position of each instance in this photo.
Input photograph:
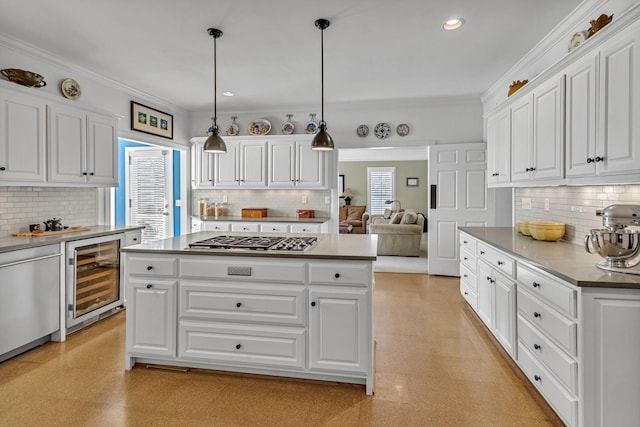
(215, 144)
(322, 140)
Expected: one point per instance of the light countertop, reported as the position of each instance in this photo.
(318, 220)
(357, 247)
(16, 243)
(562, 259)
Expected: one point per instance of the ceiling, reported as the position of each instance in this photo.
(269, 55)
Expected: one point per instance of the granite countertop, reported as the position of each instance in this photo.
(319, 220)
(15, 243)
(562, 259)
(357, 247)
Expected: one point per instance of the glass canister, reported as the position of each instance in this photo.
(202, 207)
(219, 210)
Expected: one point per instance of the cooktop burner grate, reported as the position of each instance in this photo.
(278, 243)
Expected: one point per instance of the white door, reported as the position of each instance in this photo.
(458, 197)
(149, 191)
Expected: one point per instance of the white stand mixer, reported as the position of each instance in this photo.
(618, 241)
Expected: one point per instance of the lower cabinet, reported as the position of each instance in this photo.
(338, 329)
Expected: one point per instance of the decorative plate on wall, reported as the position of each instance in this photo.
(382, 130)
(312, 126)
(23, 77)
(577, 39)
(363, 130)
(288, 127)
(259, 127)
(402, 129)
(70, 89)
(233, 129)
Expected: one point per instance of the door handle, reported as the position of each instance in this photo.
(433, 196)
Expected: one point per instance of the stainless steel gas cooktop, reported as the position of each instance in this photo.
(263, 243)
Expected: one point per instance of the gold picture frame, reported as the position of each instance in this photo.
(149, 120)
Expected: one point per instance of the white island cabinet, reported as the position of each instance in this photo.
(304, 315)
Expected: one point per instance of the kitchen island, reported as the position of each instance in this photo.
(305, 314)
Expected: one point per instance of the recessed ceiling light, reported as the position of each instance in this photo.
(453, 24)
(227, 93)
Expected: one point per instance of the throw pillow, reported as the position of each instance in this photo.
(409, 218)
(343, 213)
(355, 212)
(396, 218)
(387, 214)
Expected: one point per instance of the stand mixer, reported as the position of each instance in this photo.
(618, 240)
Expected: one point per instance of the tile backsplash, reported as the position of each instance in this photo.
(21, 206)
(574, 206)
(278, 202)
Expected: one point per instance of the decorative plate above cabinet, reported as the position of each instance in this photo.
(382, 130)
(259, 127)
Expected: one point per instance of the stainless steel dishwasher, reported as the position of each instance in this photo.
(29, 298)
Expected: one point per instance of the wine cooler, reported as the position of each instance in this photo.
(94, 289)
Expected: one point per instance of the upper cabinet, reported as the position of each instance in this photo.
(22, 139)
(293, 164)
(82, 147)
(201, 167)
(499, 151)
(243, 165)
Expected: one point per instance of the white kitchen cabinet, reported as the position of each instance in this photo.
(293, 164)
(485, 294)
(243, 165)
(215, 226)
(275, 227)
(499, 148)
(245, 226)
(537, 133)
(151, 317)
(132, 237)
(83, 147)
(201, 167)
(22, 139)
(338, 309)
(504, 303)
(306, 228)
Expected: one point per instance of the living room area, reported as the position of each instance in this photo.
(385, 192)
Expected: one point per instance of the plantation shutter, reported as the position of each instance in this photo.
(381, 183)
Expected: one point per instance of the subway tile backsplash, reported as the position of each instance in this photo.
(21, 206)
(574, 206)
(278, 202)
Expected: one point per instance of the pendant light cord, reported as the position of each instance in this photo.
(322, 71)
(215, 87)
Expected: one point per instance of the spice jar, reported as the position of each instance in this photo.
(209, 210)
(219, 211)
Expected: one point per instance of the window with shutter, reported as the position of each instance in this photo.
(381, 183)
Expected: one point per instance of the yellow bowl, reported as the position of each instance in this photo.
(523, 227)
(548, 231)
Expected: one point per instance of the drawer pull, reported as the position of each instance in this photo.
(337, 275)
(536, 284)
(149, 267)
(238, 346)
(149, 286)
(238, 304)
(481, 252)
(537, 346)
(466, 293)
(464, 275)
(500, 262)
(313, 303)
(537, 378)
(536, 314)
(488, 278)
(465, 242)
(466, 259)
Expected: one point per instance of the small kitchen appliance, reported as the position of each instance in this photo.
(260, 243)
(618, 241)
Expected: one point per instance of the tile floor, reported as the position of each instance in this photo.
(435, 366)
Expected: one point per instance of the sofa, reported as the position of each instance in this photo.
(354, 218)
(399, 235)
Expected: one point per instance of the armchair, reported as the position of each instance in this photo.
(399, 238)
(354, 216)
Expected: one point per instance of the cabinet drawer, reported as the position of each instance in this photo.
(469, 295)
(242, 269)
(216, 226)
(132, 238)
(467, 242)
(468, 259)
(278, 228)
(468, 278)
(245, 226)
(496, 259)
(152, 266)
(242, 344)
(559, 328)
(305, 228)
(564, 403)
(242, 302)
(564, 367)
(548, 288)
(339, 273)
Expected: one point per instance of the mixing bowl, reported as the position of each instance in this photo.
(523, 227)
(615, 246)
(544, 230)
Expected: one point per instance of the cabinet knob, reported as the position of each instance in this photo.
(465, 242)
(2, 168)
(537, 347)
(590, 160)
(238, 346)
(149, 267)
(500, 262)
(536, 284)
(599, 159)
(488, 278)
(536, 314)
(91, 173)
(238, 304)
(135, 239)
(492, 281)
(528, 170)
(313, 303)
(149, 286)
(84, 173)
(481, 252)
(537, 378)
(466, 259)
(464, 275)
(533, 169)
(466, 293)
(337, 275)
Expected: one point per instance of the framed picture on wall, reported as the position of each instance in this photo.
(412, 182)
(148, 120)
(340, 184)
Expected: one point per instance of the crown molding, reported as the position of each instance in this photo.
(36, 53)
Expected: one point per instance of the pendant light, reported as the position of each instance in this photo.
(322, 140)
(215, 144)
